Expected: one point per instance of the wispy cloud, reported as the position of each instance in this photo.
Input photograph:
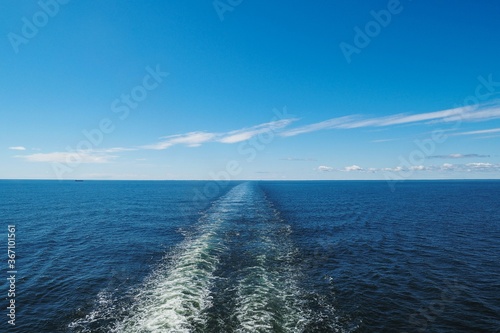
(458, 156)
(70, 157)
(468, 167)
(297, 159)
(436, 115)
(327, 124)
(195, 139)
(113, 176)
(247, 133)
(113, 150)
(382, 140)
(400, 168)
(481, 114)
(191, 139)
(17, 148)
(350, 168)
(486, 131)
(468, 113)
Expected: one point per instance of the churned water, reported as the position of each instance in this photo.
(350, 256)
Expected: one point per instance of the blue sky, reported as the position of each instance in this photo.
(249, 89)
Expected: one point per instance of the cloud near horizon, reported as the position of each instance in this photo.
(467, 167)
(353, 168)
(70, 157)
(17, 148)
(325, 168)
(458, 156)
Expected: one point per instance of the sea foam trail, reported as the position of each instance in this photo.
(268, 302)
(267, 296)
(235, 273)
(175, 298)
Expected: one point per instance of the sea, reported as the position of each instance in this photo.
(250, 256)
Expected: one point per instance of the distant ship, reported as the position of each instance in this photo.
(78, 180)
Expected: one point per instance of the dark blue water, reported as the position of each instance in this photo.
(112, 256)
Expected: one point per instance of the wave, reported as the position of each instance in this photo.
(235, 271)
(175, 299)
(267, 295)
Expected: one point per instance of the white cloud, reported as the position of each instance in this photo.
(471, 167)
(195, 139)
(17, 148)
(382, 140)
(454, 156)
(113, 150)
(479, 165)
(297, 159)
(467, 113)
(115, 176)
(191, 139)
(69, 157)
(353, 168)
(447, 166)
(327, 124)
(486, 114)
(325, 168)
(247, 133)
(404, 119)
(486, 131)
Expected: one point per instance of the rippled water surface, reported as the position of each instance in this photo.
(117, 256)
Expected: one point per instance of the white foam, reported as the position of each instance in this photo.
(177, 296)
(268, 298)
(175, 299)
(104, 308)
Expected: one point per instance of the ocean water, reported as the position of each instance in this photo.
(181, 256)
